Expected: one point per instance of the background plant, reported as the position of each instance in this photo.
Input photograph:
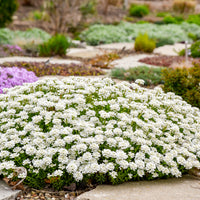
(193, 51)
(144, 44)
(7, 10)
(61, 14)
(102, 34)
(138, 10)
(151, 75)
(194, 19)
(57, 45)
(172, 20)
(184, 82)
(184, 6)
(127, 32)
(21, 38)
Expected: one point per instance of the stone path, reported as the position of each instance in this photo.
(6, 193)
(31, 59)
(185, 188)
(170, 50)
(131, 61)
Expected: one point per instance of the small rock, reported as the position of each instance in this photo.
(67, 196)
(71, 187)
(47, 195)
(62, 193)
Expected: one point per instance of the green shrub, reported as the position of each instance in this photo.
(57, 45)
(37, 15)
(172, 20)
(142, 22)
(144, 43)
(151, 75)
(162, 14)
(181, 52)
(7, 9)
(195, 49)
(183, 82)
(193, 36)
(194, 19)
(138, 10)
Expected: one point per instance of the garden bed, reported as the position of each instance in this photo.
(166, 61)
(82, 131)
(42, 69)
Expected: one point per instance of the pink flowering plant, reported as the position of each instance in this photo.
(79, 130)
(10, 50)
(13, 76)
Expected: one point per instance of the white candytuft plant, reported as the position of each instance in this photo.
(79, 129)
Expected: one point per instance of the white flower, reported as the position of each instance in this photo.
(92, 126)
(113, 174)
(71, 167)
(140, 81)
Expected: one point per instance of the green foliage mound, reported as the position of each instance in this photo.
(103, 34)
(34, 35)
(151, 75)
(57, 45)
(138, 10)
(195, 49)
(195, 19)
(172, 20)
(7, 9)
(184, 82)
(127, 32)
(144, 44)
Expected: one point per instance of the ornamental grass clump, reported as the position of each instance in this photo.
(13, 76)
(92, 130)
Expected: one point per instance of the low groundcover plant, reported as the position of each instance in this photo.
(82, 130)
(12, 76)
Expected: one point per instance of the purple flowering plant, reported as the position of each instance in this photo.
(13, 76)
(10, 50)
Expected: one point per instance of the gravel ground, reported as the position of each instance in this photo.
(131, 61)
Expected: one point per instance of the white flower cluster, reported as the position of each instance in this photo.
(85, 126)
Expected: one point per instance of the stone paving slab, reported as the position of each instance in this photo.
(6, 193)
(185, 188)
(170, 50)
(131, 61)
(32, 59)
(117, 46)
(84, 53)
